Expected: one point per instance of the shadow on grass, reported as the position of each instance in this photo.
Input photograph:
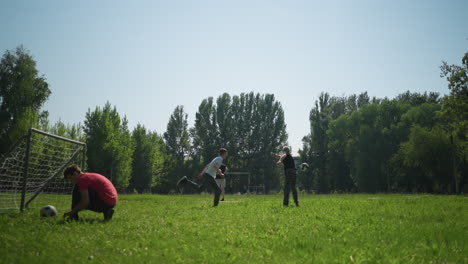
(82, 221)
(12, 214)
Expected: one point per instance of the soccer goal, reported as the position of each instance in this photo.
(238, 182)
(31, 172)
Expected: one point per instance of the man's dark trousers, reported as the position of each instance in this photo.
(290, 176)
(96, 204)
(207, 180)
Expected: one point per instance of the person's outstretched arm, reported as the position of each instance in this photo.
(281, 158)
(203, 171)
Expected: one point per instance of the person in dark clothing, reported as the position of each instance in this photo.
(290, 175)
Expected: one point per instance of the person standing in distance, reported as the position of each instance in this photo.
(221, 181)
(290, 175)
(208, 176)
(92, 191)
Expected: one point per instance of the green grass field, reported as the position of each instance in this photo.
(248, 229)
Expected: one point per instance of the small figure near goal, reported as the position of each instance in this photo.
(221, 180)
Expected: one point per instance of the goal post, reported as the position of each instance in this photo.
(48, 180)
(235, 182)
(31, 172)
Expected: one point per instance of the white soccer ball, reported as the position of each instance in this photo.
(48, 210)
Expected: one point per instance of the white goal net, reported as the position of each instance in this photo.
(31, 173)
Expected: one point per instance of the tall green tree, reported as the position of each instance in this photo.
(225, 122)
(353, 139)
(319, 118)
(272, 134)
(205, 133)
(374, 140)
(142, 160)
(177, 135)
(454, 113)
(326, 177)
(430, 152)
(251, 126)
(109, 144)
(339, 143)
(371, 135)
(22, 94)
(177, 141)
(148, 160)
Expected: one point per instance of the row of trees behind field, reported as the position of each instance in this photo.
(411, 143)
(251, 126)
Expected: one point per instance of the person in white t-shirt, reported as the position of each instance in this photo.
(208, 176)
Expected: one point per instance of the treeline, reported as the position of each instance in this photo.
(411, 143)
(251, 126)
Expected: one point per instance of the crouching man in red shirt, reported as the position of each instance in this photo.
(92, 191)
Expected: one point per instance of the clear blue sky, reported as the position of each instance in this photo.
(147, 57)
